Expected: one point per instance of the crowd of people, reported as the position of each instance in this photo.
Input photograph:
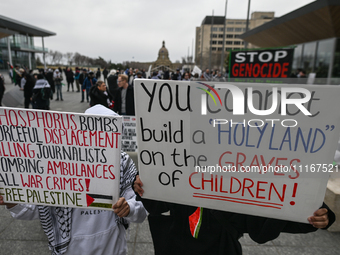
(71, 231)
(115, 91)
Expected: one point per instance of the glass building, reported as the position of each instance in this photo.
(17, 43)
(314, 31)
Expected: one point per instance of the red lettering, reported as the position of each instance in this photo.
(284, 73)
(282, 197)
(234, 70)
(262, 67)
(276, 70)
(259, 189)
(241, 73)
(190, 183)
(249, 68)
(247, 187)
(257, 72)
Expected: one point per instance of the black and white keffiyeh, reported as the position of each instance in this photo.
(56, 223)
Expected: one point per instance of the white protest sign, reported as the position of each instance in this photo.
(59, 159)
(193, 152)
(129, 136)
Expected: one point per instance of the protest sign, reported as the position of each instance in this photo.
(59, 159)
(256, 149)
(261, 64)
(129, 136)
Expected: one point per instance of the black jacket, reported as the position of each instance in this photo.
(112, 84)
(130, 101)
(98, 97)
(219, 231)
(82, 78)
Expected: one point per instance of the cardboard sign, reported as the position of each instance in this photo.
(129, 137)
(258, 149)
(59, 159)
(268, 63)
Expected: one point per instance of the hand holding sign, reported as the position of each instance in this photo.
(121, 208)
(137, 186)
(9, 205)
(320, 218)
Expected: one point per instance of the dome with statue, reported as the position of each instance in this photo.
(163, 58)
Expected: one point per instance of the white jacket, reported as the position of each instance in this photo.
(94, 231)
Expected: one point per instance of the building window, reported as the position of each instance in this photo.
(213, 48)
(214, 29)
(214, 42)
(238, 29)
(323, 58)
(237, 43)
(229, 42)
(227, 49)
(219, 49)
(214, 35)
(230, 22)
(237, 48)
(230, 36)
(220, 29)
(243, 29)
(220, 36)
(230, 29)
(237, 36)
(220, 42)
(308, 57)
(239, 22)
(336, 63)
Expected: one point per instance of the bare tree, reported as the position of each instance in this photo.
(77, 59)
(69, 57)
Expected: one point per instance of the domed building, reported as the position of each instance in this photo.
(163, 62)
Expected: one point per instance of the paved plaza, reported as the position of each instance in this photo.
(27, 237)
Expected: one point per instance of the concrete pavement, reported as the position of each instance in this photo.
(26, 237)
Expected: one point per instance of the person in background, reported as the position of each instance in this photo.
(98, 73)
(112, 83)
(69, 78)
(49, 78)
(186, 77)
(207, 75)
(40, 97)
(88, 83)
(124, 100)
(28, 89)
(57, 77)
(177, 76)
(105, 73)
(2, 88)
(82, 78)
(100, 95)
(76, 78)
(155, 75)
(131, 77)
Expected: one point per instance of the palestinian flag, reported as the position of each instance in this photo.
(195, 221)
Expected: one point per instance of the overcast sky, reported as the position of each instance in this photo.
(130, 30)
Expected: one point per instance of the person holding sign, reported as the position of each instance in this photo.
(191, 230)
(85, 231)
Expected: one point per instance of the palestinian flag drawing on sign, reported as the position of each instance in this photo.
(96, 200)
